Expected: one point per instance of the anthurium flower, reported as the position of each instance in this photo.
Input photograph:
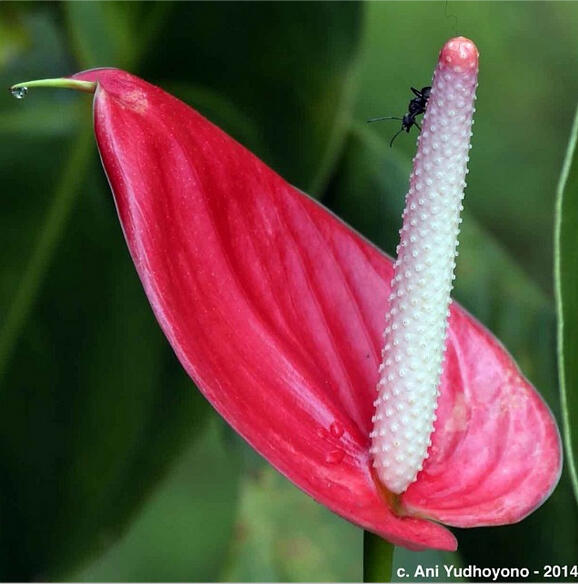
(276, 309)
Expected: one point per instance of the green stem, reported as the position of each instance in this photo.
(565, 257)
(49, 236)
(377, 558)
(59, 82)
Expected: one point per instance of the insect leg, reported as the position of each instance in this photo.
(395, 136)
(383, 118)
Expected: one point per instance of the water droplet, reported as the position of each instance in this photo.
(336, 429)
(334, 457)
(19, 92)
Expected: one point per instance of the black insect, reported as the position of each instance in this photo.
(416, 107)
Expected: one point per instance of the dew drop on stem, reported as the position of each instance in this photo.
(19, 92)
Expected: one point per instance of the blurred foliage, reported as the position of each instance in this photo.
(286, 537)
(94, 408)
(184, 531)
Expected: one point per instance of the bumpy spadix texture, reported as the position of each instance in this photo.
(275, 309)
(415, 332)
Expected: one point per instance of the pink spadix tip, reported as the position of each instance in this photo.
(459, 53)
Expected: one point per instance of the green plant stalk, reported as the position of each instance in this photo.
(50, 234)
(59, 83)
(377, 558)
(564, 284)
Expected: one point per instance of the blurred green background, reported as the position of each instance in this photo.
(112, 467)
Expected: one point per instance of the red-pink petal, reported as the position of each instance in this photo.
(496, 452)
(276, 310)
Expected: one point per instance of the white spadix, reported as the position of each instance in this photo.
(417, 314)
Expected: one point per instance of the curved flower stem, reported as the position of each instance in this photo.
(49, 236)
(59, 82)
(377, 558)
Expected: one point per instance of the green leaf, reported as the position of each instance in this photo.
(183, 533)
(566, 283)
(368, 191)
(283, 535)
(297, 92)
(93, 405)
(13, 35)
(113, 34)
(90, 23)
(24, 295)
(45, 119)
